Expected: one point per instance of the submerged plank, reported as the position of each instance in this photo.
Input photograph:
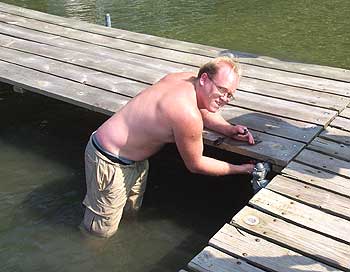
(317, 70)
(327, 201)
(318, 178)
(213, 260)
(262, 253)
(326, 162)
(331, 148)
(336, 135)
(302, 215)
(306, 242)
(277, 150)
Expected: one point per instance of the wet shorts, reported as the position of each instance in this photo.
(112, 188)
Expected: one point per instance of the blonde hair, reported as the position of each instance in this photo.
(212, 66)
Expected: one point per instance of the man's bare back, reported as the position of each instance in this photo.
(143, 126)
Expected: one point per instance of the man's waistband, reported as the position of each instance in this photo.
(110, 156)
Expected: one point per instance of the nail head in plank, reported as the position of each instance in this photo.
(336, 150)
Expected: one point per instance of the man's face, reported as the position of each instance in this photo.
(220, 88)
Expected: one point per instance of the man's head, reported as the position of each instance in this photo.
(218, 81)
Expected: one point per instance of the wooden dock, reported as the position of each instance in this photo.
(301, 221)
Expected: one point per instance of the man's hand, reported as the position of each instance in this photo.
(247, 168)
(242, 133)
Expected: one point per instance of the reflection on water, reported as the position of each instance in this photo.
(42, 185)
(312, 31)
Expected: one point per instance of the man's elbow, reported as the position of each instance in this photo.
(194, 167)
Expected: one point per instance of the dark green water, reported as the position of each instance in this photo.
(42, 140)
(311, 31)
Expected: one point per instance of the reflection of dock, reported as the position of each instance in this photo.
(298, 111)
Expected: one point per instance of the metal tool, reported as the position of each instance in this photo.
(259, 174)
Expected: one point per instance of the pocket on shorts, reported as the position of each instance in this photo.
(105, 175)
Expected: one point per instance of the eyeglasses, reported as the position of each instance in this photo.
(226, 94)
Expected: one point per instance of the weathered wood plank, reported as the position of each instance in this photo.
(277, 150)
(326, 85)
(137, 72)
(262, 253)
(268, 123)
(306, 242)
(318, 178)
(345, 113)
(329, 163)
(284, 108)
(327, 201)
(336, 135)
(213, 260)
(331, 148)
(156, 68)
(317, 70)
(301, 95)
(55, 46)
(65, 90)
(302, 215)
(91, 77)
(342, 123)
(277, 126)
(251, 85)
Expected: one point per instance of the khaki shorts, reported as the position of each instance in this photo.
(111, 188)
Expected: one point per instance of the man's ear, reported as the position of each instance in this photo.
(203, 78)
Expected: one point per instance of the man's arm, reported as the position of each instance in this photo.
(216, 122)
(187, 128)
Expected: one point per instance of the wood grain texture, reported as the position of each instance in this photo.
(326, 162)
(301, 240)
(213, 260)
(336, 150)
(345, 113)
(329, 202)
(302, 215)
(336, 135)
(341, 123)
(262, 253)
(317, 177)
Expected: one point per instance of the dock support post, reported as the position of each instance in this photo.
(108, 20)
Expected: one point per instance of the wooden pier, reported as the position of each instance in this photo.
(299, 112)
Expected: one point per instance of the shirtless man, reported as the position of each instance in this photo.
(173, 110)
